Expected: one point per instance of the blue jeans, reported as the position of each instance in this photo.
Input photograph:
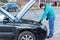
(51, 26)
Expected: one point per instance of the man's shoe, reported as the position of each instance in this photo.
(50, 36)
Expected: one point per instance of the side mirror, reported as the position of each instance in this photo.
(6, 20)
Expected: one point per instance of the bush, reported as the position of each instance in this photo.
(4, 1)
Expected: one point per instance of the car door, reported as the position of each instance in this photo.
(7, 30)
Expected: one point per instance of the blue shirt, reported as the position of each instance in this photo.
(48, 12)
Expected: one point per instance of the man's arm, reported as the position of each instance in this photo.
(44, 15)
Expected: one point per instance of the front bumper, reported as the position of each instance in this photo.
(41, 34)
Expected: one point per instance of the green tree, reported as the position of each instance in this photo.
(4, 1)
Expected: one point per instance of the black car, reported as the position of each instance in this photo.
(25, 30)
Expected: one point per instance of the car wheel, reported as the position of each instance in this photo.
(26, 35)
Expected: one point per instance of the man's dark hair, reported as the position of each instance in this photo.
(42, 4)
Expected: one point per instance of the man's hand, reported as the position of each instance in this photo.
(40, 22)
(46, 18)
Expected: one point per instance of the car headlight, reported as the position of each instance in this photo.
(44, 27)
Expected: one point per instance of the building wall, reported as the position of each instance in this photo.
(42, 0)
(21, 3)
(11, 0)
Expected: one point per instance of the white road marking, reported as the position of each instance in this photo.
(57, 31)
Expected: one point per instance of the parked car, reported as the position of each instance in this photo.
(10, 7)
(23, 30)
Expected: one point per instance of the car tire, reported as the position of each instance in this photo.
(26, 35)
